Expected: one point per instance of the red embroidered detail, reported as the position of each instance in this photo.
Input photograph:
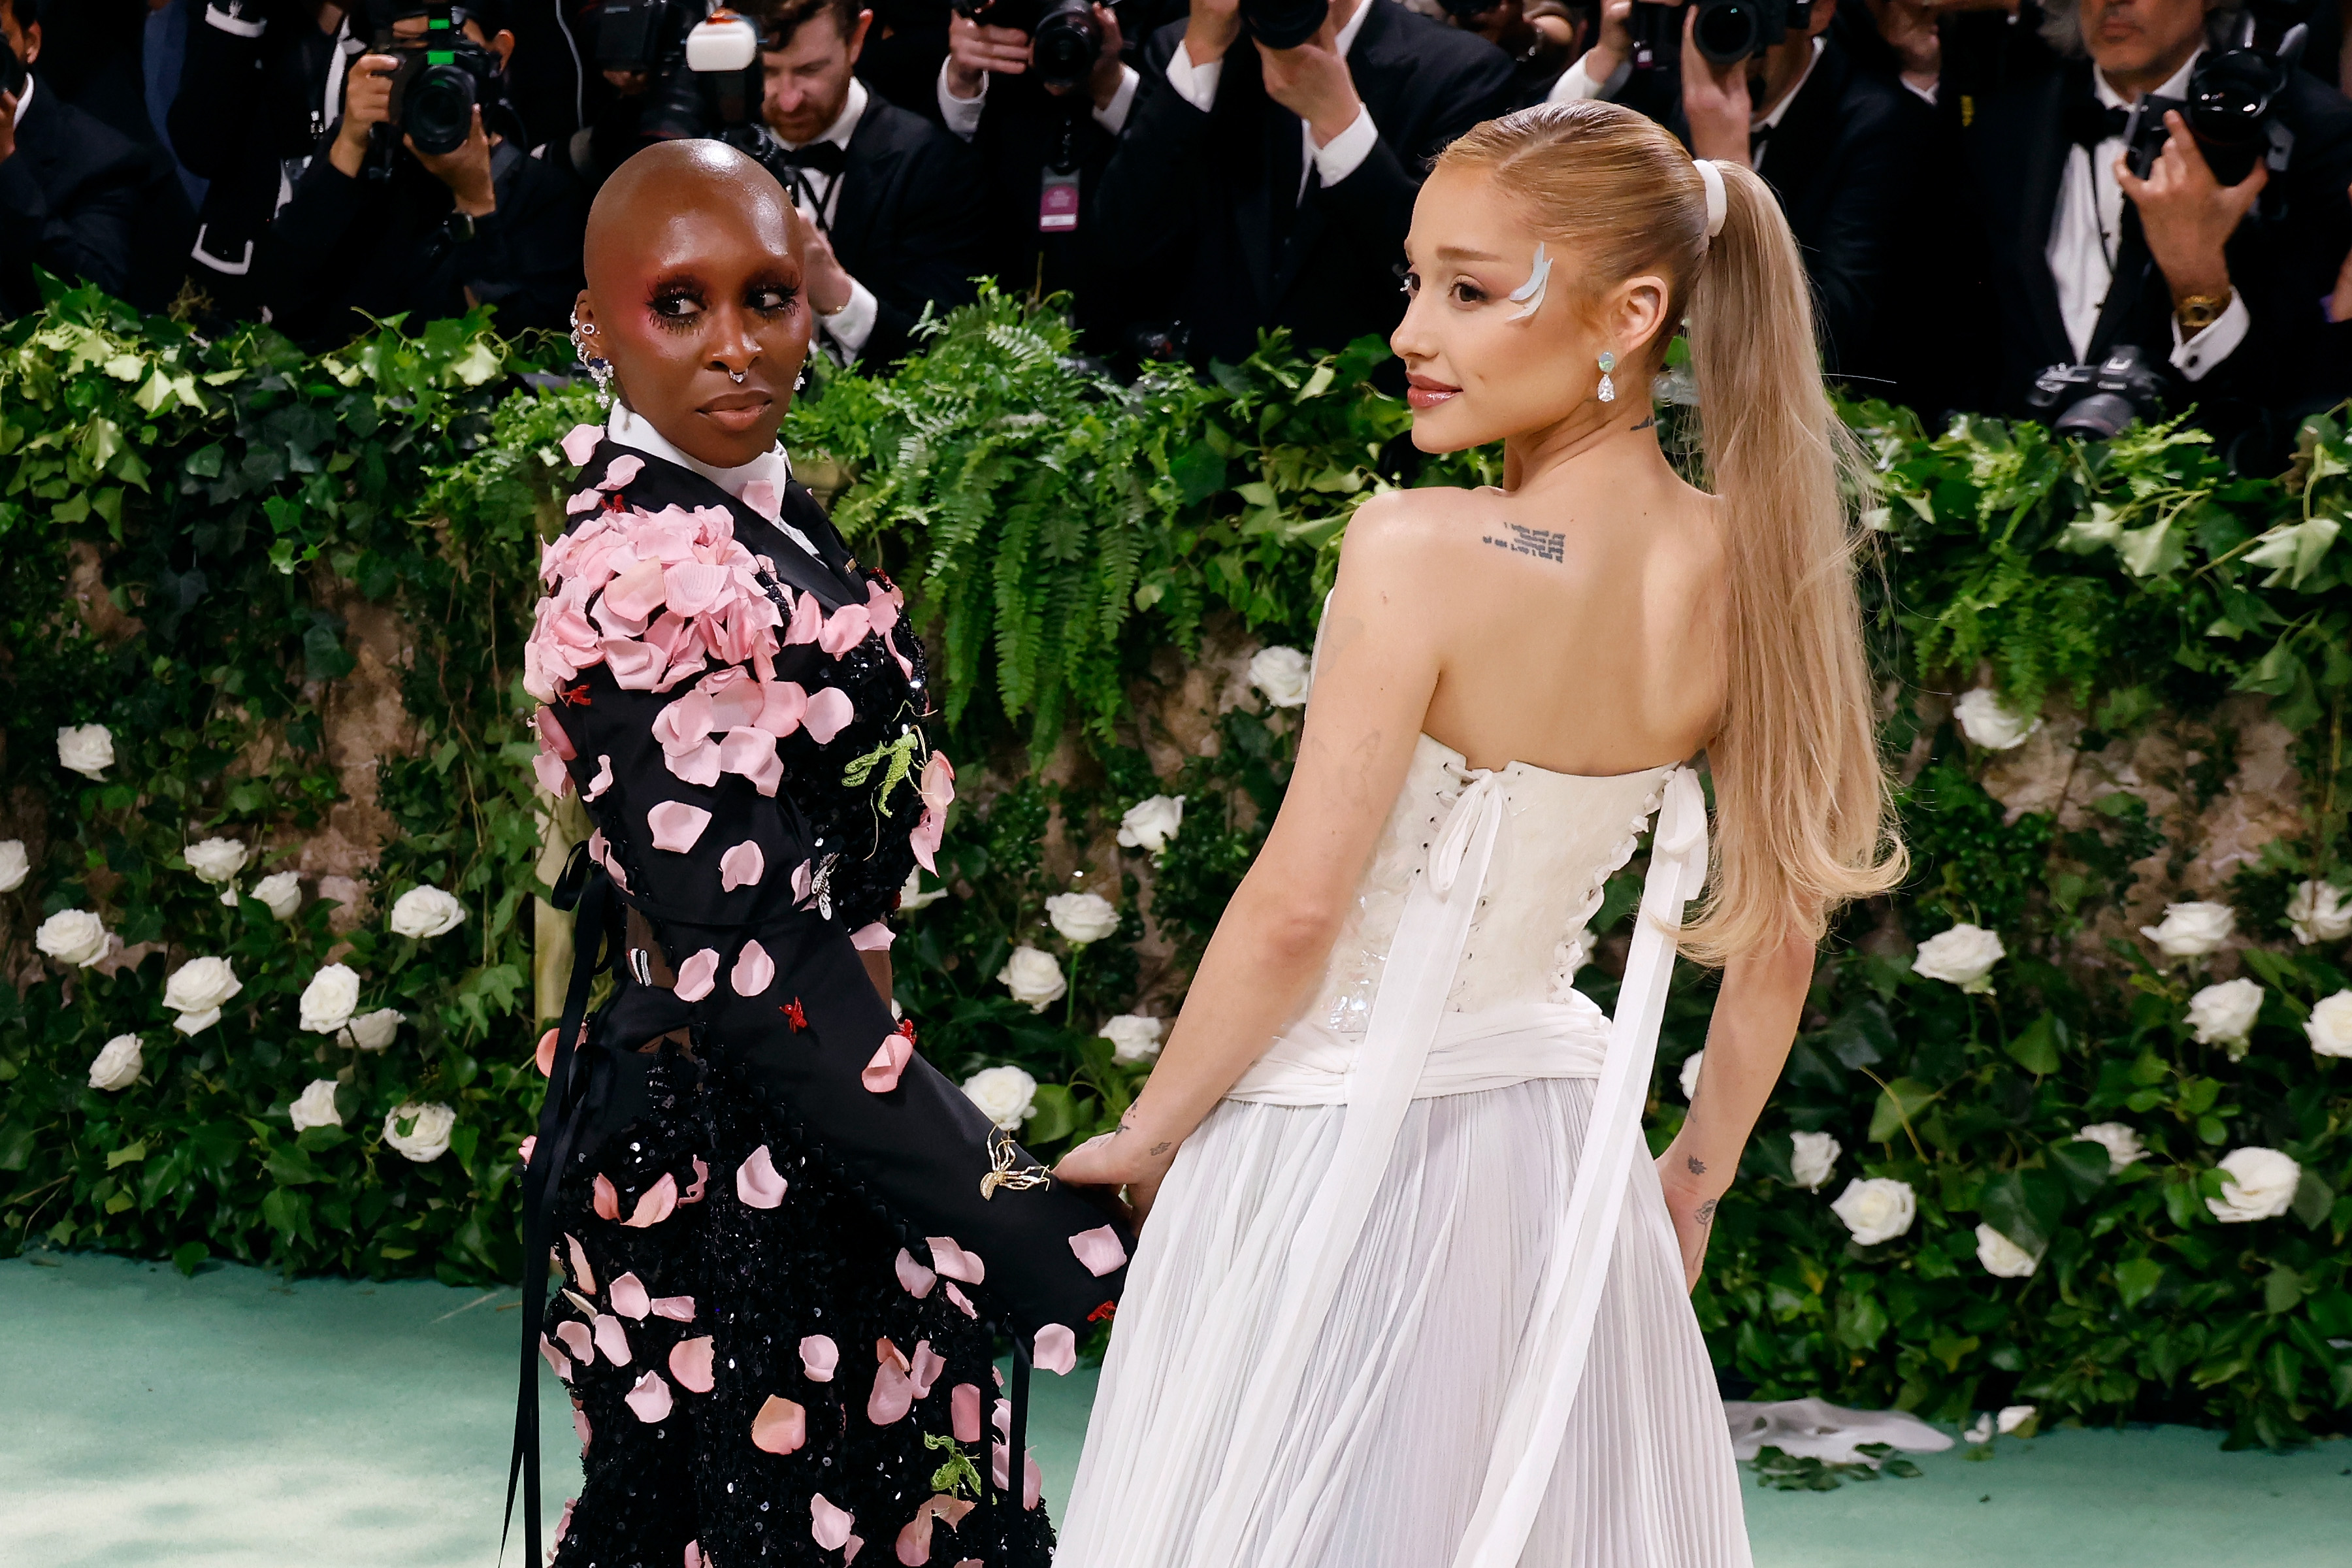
(1103, 1313)
(794, 1015)
(882, 577)
(576, 696)
(906, 1027)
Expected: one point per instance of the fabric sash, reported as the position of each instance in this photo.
(1494, 1047)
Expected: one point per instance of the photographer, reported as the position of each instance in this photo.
(1843, 150)
(1267, 174)
(69, 186)
(1540, 36)
(2218, 285)
(425, 231)
(892, 202)
(1043, 131)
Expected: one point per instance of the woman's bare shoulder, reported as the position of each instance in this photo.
(1403, 530)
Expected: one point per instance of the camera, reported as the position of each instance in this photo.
(2096, 401)
(12, 71)
(1284, 24)
(1727, 31)
(442, 77)
(2233, 98)
(1065, 40)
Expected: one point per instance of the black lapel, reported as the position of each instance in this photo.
(1366, 62)
(2120, 313)
(1800, 145)
(1256, 121)
(2040, 133)
(869, 169)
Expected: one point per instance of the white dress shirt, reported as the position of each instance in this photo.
(850, 326)
(1336, 160)
(961, 115)
(1576, 83)
(771, 467)
(2085, 229)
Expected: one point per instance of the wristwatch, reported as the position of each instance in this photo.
(2198, 311)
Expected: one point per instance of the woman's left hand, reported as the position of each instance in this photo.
(1121, 1160)
(1693, 1213)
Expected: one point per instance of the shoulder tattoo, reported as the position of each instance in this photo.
(1540, 542)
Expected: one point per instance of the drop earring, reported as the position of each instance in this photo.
(599, 369)
(1607, 392)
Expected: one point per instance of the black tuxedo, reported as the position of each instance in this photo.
(1198, 218)
(68, 196)
(908, 222)
(1849, 163)
(2283, 259)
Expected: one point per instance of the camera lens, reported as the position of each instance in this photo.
(437, 113)
(1727, 30)
(2229, 98)
(1065, 43)
(2098, 417)
(1284, 24)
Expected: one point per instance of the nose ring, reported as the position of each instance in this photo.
(736, 376)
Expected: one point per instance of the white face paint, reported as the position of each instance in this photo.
(1531, 294)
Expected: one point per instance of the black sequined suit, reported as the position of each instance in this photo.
(766, 1367)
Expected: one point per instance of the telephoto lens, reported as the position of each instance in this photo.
(2230, 99)
(1066, 43)
(435, 106)
(1284, 24)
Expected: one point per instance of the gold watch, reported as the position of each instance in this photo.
(2198, 311)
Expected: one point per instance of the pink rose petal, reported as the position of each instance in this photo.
(552, 736)
(742, 866)
(890, 1059)
(691, 587)
(887, 1354)
(963, 1412)
(607, 1201)
(563, 1525)
(529, 1144)
(757, 1184)
(612, 1340)
(677, 825)
(699, 765)
(850, 1549)
(819, 1357)
(576, 1340)
(808, 619)
(829, 713)
(845, 629)
(786, 702)
(552, 775)
(698, 976)
(580, 1274)
(803, 882)
(754, 971)
(694, 1558)
(650, 1398)
(690, 1363)
(636, 592)
(914, 1540)
(760, 496)
(629, 1297)
(1058, 1349)
(1099, 1249)
(693, 1194)
(917, 1278)
(829, 1525)
(874, 938)
(579, 1424)
(634, 665)
(622, 469)
(953, 1261)
(579, 442)
(780, 1427)
(660, 1202)
(926, 1371)
(962, 1301)
(893, 1396)
(1032, 1479)
(545, 1056)
(556, 1359)
(753, 753)
(603, 780)
(687, 722)
(676, 1308)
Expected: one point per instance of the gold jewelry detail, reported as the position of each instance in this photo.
(2199, 312)
(1004, 1173)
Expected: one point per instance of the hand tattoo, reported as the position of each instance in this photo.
(1698, 1166)
(1541, 543)
(1705, 1213)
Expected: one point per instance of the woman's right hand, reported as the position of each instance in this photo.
(1615, 45)
(1123, 1161)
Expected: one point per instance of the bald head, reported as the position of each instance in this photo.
(673, 182)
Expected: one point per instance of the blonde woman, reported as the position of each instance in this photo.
(1412, 1294)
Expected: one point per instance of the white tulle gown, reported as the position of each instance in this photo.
(1410, 1298)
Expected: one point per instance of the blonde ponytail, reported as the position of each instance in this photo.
(1801, 796)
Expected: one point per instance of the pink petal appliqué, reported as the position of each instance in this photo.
(545, 1056)
(677, 825)
(917, 1278)
(693, 1194)
(650, 1398)
(892, 1398)
(1099, 1249)
(602, 782)
(756, 1180)
(629, 1297)
(874, 938)
(552, 736)
(803, 882)
(787, 704)
(612, 1340)
(829, 1525)
(608, 1201)
(697, 976)
(523, 1152)
(579, 1424)
(760, 496)
(890, 1059)
(829, 713)
(676, 1308)
(742, 866)
(754, 971)
(1032, 1479)
(636, 593)
(622, 469)
(753, 753)
(580, 1274)
(694, 1558)
(577, 1340)
(819, 1357)
(692, 587)
(780, 1427)
(660, 1202)
(1058, 1349)
(556, 1359)
(552, 775)
(963, 1412)
(690, 1363)
(962, 1301)
(953, 1261)
(697, 765)
(928, 1364)
(579, 442)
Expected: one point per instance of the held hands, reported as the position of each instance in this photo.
(1716, 101)
(1312, 82)
(1127, 1158)
(2186, 214)
(821, 274)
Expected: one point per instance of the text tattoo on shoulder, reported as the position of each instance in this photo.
(1540, 542)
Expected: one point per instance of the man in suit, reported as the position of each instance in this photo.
(1260, 188)
(1843, 148)
(2219, 285)
(892, 202)
(69, 186)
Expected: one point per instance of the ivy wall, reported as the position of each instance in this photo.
(272, 934)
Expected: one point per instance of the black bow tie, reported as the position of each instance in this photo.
(2090, 123)
(825, 158)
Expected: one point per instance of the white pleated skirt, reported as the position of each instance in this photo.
(1380, 1461)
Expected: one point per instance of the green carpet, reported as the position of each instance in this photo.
(233, 1419)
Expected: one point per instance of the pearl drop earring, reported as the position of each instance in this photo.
(1608, 392)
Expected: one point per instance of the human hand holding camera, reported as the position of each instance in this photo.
(2186, 214)
(1312, 82)
(1716, 101)
(826, 282)
(1614, 46)
(1210, 28)
(466, 171)
(975, 49)
(367, 103)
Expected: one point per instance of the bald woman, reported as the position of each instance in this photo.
(788, 1244)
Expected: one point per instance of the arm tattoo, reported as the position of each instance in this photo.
(1705, 1213)
(1541, 543)
(1158, 1149)
(1698, 1166)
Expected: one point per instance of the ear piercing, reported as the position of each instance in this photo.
(1607, 392)
(600, 370)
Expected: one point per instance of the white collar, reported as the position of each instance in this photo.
(2175, 86)
(24, 99)
(1780, 110)
(771, 467)
(1347, 37)
(845, 124)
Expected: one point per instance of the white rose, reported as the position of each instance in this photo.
(1082, 917)
(86, 749)
(1963, 956)
(1149, 824)
(1006, 1095)
(315, 1106)
(2317, 912)
(1812, 1158)
(2012, 1416)
(116, 1064)
(1988, 722)
(280, 893)
(1690, 1075)
(72, 936)
(2122, 1145)
(1281, 674)
(2192, 930)
(1033, 977)
(2330, 1025)
(2003, 1257)
(197, 990)
(15, 867)
(1981, 1432)
(2223, 1015)
(373, 1031)
(215, 860)
(1135, 1036)
(1878, 1209)
(2257, 1183)
(329, 998)
(426, 913)
(911, 895)
(427, 1138)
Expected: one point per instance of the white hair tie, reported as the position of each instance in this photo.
(1716, 203)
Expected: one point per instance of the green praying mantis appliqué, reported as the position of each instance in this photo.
(902, 756)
